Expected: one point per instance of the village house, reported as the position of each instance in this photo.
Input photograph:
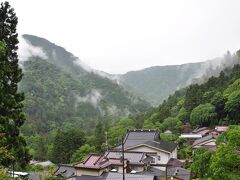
(209, 137)
(207, 142)
(148, 141)
(136, 161)
(96, 165)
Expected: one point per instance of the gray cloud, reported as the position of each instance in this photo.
(93, 97)
(27, 50)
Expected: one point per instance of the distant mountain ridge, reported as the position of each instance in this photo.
(60, 91)
(63, 91)
(156, 83)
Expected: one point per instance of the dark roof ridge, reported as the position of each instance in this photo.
(67, 165)
(126, 151)
(99, 160)
(86, 159)
(162, 143)
(142, 130)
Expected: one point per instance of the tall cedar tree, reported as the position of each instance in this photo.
(11, 101)
(65, 144)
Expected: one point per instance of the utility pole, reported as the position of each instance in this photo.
(13, 170)
(106, 139)
(166, 171)
(123, 158)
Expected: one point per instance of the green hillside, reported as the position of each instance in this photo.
(215, 102)
(60, 93)
(157, 83)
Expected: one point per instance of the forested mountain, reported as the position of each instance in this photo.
(63, 96)
(61, 92)
(158, 82)
(214, 102)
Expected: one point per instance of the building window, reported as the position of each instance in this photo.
(153, 160)
(159, 158)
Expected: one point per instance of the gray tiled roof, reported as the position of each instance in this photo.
(179, 172)
(114, 176)
(200, 129)
(201, 140)
(65, 171)
(84, 177)
(132, 157)
(118, 176)
(139, 136)
(153, 171)
(172, 162)
(164, 145)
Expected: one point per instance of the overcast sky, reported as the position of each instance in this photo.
(117, 36)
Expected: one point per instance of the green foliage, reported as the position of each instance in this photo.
(6, 156)
(168, 137)
(225, 163)
(203, 115)
(182, 115)
(40, 148)
(4, 174)
(65, 144)
(232, 88)
(11, 100)
(119, 129)
(82, 152)
(172, 124)
(201, 163)
(232, 94)
(193, 97)
(185, 153)
(100, 134)
(233, 106)
(148, 124)
(35, 168)
(218, 101)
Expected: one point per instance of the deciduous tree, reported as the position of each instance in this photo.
(201, 163)
(225, 163)
(82, 152)
(203, 115)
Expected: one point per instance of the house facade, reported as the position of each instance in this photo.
(160, 154)
(148, 142)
